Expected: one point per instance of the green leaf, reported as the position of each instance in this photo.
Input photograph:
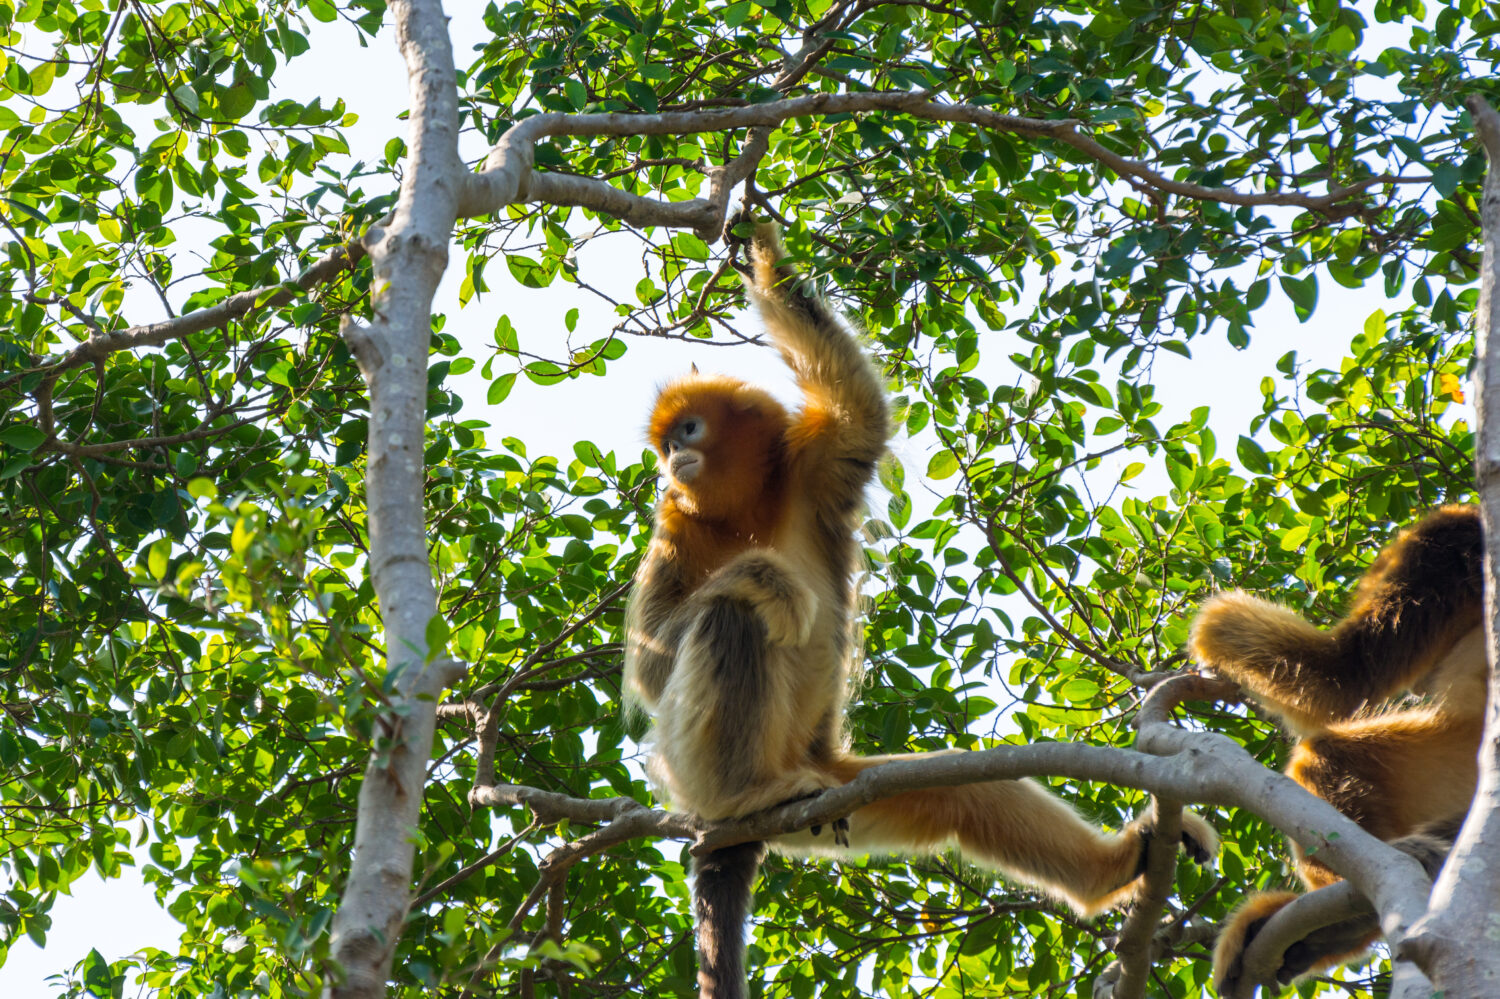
(642, 95)
(942, 465)
(22, 437)
(1445, 179)
(436, 636)
(1294, 538)
(1304, 294)
(1252, 457)
(500, 388)
(186, 98)
(156, 558)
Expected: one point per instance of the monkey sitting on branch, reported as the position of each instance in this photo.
(1406, 773)
(740, 635)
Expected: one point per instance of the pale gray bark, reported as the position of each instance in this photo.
(1458, 944)
(408, 256)
(1194, 767)
(508, 176)
(1134, 949)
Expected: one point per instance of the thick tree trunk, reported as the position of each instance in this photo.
(1457, 942)
(409, 256)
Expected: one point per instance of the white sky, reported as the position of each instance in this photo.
(121, 916)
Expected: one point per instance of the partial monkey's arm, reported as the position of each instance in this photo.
(653, 627)
(659, 613)
(845, 419)
(1419, 597)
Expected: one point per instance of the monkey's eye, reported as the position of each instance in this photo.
(692, 429)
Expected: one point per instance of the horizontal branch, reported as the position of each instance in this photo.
(601, 196)
(550, 806)
(508, 176)
(99, 346)
(103, 448)
(1205, 768)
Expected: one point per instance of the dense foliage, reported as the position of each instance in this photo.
(189, 673)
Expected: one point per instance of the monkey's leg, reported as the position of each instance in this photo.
(1405, 776)
(723, 888)
(1014, 826)
(1025, 831)
(1393, 773)
(1329, 945)
(1418, 598)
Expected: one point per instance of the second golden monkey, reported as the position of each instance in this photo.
(1404, 772)
(740, 635)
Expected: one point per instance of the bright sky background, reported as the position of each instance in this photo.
(121, 917)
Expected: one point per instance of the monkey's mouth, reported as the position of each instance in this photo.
(685, 468)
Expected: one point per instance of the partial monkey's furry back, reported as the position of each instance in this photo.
(1405, 774)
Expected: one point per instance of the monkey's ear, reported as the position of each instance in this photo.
(695, 367)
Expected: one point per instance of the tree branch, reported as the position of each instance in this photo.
(508, 176)
(1394, 881)
(1291, 924)
(408, 255)
(1455, 944)
(99, 346)
(1134, 950)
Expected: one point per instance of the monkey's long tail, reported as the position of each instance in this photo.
(723, 888)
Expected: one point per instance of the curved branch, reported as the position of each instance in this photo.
(508, 175)
(1264, 957)
(1395, 881)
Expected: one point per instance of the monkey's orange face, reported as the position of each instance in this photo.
(719, 440)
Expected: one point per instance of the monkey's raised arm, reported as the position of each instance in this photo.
(845, 418)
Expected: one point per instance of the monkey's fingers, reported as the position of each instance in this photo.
(841, 831)
(1196, 851)
(736, 243)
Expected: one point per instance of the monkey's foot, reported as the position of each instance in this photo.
(1199, 841)
(839, 827)
(1235, 935)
